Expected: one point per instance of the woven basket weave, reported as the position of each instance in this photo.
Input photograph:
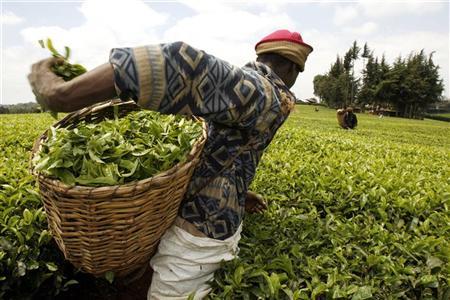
(113, 228)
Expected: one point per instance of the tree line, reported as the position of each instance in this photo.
(408, 85)
(20, 108)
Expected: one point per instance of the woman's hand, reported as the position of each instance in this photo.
(44, 83)
(254, 203)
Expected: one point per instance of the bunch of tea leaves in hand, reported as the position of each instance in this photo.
(117, 151)
(63, 69)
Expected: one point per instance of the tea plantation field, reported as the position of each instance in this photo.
(447, 115)
(360, 214)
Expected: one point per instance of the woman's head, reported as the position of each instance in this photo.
(285, 52)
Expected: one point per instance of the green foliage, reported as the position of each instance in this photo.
(109, 276)
(409, 85)
(30, 265)
(439, 117)
(116, 151)
(445, 115)
(339, 86)
(360, 214)
(20, 108)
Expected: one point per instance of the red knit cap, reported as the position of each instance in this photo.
(284, 35)
(287, 44)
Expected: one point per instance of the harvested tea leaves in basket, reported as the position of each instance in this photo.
(116, 151)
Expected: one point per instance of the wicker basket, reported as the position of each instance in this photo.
(113, 228)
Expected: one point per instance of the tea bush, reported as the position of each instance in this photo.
(360, 214)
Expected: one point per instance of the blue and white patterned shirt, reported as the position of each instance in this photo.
(238, 104)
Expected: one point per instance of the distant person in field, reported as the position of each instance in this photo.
(244, 106)
(346, 118)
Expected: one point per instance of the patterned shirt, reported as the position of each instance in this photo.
(239, 104)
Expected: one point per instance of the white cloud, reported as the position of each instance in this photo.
(386, 8)
(379, 9)
(15, 68)
(228, 30)
(392, 46)
(395, 45)
(138, 19)
(362, 30)
(9, 18)
(105, 27)
(201, 6)
(206, 6)
(233, 42)
(343, 15)
(269, 6)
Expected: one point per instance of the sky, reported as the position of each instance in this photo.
(226, 29)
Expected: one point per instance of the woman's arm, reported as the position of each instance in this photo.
(55, 94)
(176, 78)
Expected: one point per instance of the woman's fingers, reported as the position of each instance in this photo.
(255, 203)
(261, 201)
(49, 62)
(259, 207)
